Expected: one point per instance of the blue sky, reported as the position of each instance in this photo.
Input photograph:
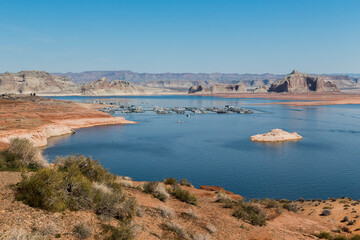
(244, 36)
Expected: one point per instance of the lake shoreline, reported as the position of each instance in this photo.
(43, 118)
(300, 99)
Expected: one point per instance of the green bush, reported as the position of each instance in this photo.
(123, 232)
(71, 186)
(292, 207)
(9, 161)
(170, 181)
(90, 168)
(251, 213)
(46, 189)
(270, 203)
(324, 235)
(78, 189)
(184, 196)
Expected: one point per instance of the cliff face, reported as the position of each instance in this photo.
(300, 82)
(35, 82)
(104, 87)
(219, 88)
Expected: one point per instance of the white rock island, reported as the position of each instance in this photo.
(276, 135)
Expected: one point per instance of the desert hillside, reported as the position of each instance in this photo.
(212, 217)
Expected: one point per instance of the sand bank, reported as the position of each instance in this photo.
(312, 99)
(39, 118)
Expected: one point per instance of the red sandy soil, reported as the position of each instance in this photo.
(312, 99)
(38, 118)
(286, 225)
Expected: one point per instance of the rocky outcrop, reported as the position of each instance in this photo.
(104, 87)
(261, 89)
(36, 82)
(218, 88)
(276, 135)
(300, 82)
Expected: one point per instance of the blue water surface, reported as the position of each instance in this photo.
(214, 149)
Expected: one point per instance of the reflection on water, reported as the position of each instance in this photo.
(213, 149)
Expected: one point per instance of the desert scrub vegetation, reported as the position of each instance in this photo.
(89, 167)
(21, 234)
(292, 207)
(82, 231)
(156, 189)
(178, 229)
(222, 197)
(22, 154)
(170, 181)
(77, 183)
(327, 235)
(185, 182)
(184, 196)
(251, 213)
(121, 232)
(166, 212)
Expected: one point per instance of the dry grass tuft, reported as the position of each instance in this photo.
(166, 212)
(211, 228)
(178, 229)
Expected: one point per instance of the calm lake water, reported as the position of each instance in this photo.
(214, 149)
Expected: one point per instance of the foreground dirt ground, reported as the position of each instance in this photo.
(150, 223)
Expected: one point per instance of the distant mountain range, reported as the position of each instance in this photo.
(186, 80)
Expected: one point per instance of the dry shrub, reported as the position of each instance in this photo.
(191, 213)
(140, 211)
(22, 234)
(82, 231)
(101, 187)
(202, 236)
(185, 182)
(157, 190)
(23, 153)
(251, 213)
(166, 212)
(211, 228)
(125, 183)
(222, 197)
(49, 229)
(178, 229)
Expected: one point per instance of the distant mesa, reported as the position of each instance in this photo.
(104, 87)
(276, 135)
(298, 82)
(35, 81)
(41, 82)
(218, 88)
